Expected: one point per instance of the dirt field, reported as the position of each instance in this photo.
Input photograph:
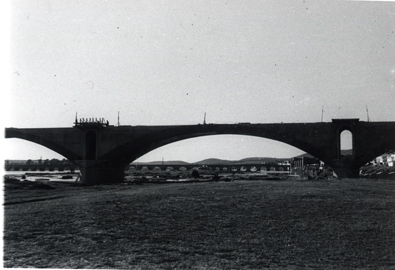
(291, 224)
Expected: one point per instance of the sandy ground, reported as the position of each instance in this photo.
(289, 224)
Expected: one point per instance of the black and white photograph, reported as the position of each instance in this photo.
(198, 134)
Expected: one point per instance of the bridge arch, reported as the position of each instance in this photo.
(346, 142)
(29, 150)
(345, 136)
(292, 135)
(48, 140)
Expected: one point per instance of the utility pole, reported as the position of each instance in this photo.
(118, 118)
(204, 122)
(322, 114)
(367, 113)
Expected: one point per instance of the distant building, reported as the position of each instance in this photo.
(301, 162)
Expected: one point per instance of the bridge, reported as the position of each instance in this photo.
(40, 167)
(247, 167)
(103, 151)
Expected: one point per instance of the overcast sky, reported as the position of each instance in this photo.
(169, 62)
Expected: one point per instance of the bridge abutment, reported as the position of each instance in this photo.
(94, 173)
(343, 172)
(345, 167)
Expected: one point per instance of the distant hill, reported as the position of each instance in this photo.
(346, 152)
(261, 159)
(305, 155)
(216, 161)
(210, 161)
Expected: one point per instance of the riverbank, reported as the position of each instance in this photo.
(292, 224)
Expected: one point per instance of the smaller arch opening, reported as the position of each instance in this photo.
(346, 143)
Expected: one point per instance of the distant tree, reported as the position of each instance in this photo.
(29, 162)
(54, 161)
(195, 174)
(216, 176)
(65, 162)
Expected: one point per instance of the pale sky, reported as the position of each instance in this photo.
(169, 62)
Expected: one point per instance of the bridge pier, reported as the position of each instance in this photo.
(343, 172)
(346, 167)
(94, 173)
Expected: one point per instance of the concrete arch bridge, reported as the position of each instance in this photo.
(103, 151)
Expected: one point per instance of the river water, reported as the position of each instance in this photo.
(43, 176)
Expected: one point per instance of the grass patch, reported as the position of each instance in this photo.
(216, 225)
